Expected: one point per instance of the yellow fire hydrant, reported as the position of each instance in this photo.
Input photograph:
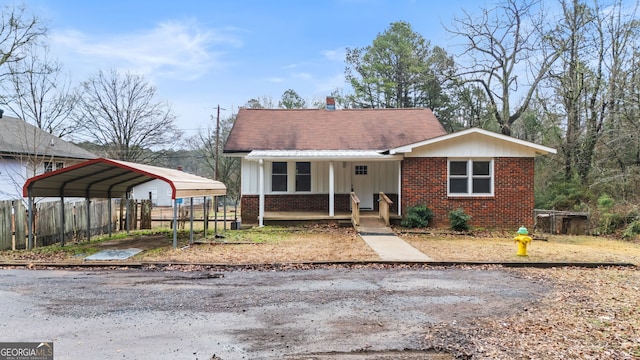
(522, 239)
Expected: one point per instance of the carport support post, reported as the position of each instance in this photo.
(88, 219)
(215, 215)
(206, 216)
(126, 218)
(110, 213)
(30, 220)
(175, 223)
(224, 214)
(61, 220)
(191, 227)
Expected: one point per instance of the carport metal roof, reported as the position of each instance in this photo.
(106, 178)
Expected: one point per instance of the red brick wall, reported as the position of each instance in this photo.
(424, 181)
(290, 202)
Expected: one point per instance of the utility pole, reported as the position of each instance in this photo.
(217, 173)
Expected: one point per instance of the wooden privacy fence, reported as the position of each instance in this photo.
(46, 215)
(47, 220)
(13, 221)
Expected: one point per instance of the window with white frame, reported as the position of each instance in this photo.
(361, 170)
(279, 176)
(303, 176)
(48, 166)
(471, 177)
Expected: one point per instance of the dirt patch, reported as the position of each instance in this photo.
(146, 242)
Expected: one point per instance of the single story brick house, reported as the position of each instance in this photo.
(313, 160)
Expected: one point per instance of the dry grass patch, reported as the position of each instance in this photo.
(269, 245)
(503, 249)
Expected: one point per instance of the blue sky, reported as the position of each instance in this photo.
(200, 54)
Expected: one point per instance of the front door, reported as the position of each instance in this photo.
(362, 185)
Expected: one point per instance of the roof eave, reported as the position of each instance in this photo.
(321, 155)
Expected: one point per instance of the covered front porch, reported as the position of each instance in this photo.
(319, 185)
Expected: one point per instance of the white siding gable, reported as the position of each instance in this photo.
(473, 142)
(473, 145)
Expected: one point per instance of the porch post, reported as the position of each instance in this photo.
(400, 188)
(261, 191)
(331, 190)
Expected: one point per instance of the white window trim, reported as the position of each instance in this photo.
(470, 177)
(288, 174)
(295, 178)
(291, 178)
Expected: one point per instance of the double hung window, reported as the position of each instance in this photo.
(471, 177)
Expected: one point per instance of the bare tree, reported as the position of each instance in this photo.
(121, 113)
(38, 93)
(589, 81)
(507, 53)
(18, 31)
(208, 145)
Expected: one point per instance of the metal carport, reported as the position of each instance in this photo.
(107, 178)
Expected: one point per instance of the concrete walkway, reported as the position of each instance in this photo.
(384, 242)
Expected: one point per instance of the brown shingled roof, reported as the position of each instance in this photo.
(320, 129)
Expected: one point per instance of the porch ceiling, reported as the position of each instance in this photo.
(328, 155)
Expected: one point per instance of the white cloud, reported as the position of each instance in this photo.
(335, 82)
(302, 76)
(179, 50)
(335, 54)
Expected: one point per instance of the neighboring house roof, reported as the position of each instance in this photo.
(321, 129)
(17, 137)
(463, 135)
(106, 178)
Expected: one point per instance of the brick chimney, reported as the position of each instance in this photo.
(331, 103)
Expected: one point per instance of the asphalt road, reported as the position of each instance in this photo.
(301, 314)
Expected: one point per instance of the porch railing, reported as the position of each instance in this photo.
(383, 208)
(355, 209)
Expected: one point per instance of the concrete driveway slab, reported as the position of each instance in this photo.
(114, 254)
